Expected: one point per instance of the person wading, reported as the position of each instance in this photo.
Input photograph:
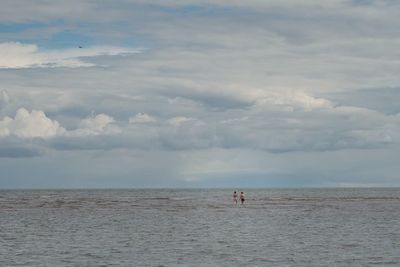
(235, 198)
(242, 198)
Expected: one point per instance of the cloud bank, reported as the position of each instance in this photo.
(35, 124)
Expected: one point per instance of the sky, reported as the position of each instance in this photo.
(222, 93)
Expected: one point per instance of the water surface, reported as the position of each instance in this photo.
(200, 227)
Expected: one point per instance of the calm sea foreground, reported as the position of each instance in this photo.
(200, 227)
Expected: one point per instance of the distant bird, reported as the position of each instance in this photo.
(80, 46)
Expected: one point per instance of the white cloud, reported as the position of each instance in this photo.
(267, 95)
(142, 118)
(32, 124)
(177, 121)
(35, 124)
(14, 55)
(294, 100)
(234, 120)
(95, 125)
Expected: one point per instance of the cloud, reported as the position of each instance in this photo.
(4, 99)
(97, 123)
(14, 55)
(20, 152)
(383, 100)
(142, 118)
(178, 121)
(100, 124)
(293, 94)
(32, 124)
(35, 124)
(276, 123)
(277, 129)
(295, 100)
(101, 12)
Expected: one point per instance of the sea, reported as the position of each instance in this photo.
(200, 227)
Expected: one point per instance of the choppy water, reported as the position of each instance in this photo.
(302, 227)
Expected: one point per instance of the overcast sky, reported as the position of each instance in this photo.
(222, 93)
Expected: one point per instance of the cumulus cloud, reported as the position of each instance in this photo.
(15, 55)
(32, 124)
(35, 124)
(276, 122)
(177, 121)
(142, 118)
(95, 125)
(204, 86)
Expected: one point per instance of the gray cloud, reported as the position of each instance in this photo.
(14, 55)
(19, 152)
(13, 147)
(225, 85)
(4, 99)
(385, 100)
(276, 124)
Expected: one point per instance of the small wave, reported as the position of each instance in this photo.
(154, 198)
(180, 198)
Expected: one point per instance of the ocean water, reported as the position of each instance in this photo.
(200, 227)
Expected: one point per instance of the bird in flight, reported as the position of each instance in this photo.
(80, 46)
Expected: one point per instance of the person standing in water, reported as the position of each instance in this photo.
(242, 198)
(235, 196)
